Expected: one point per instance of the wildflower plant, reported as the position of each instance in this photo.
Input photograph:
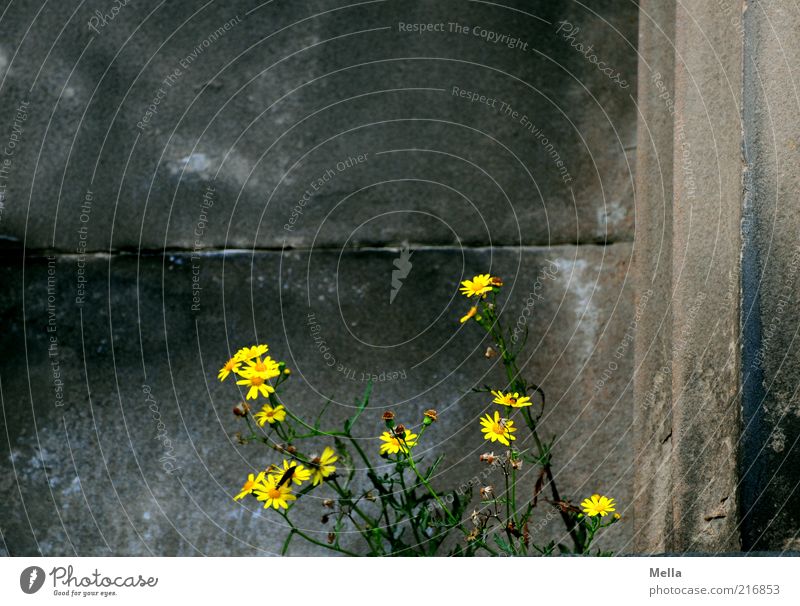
(395, 507)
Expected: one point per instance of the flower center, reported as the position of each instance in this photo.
(498, 429)
(256, 381)
(274, 493)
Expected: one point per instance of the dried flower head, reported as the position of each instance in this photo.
(486, 492)
(488, 457)
(328, 503)
(496, 281)
(489, 353)
(241, 409)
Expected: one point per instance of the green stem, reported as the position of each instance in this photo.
(314, 541)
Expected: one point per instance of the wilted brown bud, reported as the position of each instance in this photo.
(388, 418)
(496, 281)
(241, 409)
(400, 431)
(489, 353)
(331, 538)
(370, 496)
(488, 457)
(325, 518)
(486, 492)
(473, 535)
(430, 416)
(512, 529)
(328, 503)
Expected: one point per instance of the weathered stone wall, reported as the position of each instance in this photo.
(139, 247)
(716, 396)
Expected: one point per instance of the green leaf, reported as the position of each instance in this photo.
(503, 545)
(433, 467)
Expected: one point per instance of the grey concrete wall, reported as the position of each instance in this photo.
(109, 214)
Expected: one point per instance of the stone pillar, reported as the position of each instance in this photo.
(653, 264)
(771, 354)
(717, 414)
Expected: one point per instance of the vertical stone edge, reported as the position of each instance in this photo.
(706, 274)
(652, 382)
(770, 484)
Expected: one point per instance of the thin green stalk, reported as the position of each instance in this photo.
(314, 541)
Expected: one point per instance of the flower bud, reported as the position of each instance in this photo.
(496, 281)
(430, 416)
(489, 353)
(388, 418)
(328, 503)
(400, 431)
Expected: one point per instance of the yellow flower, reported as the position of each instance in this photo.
(392, 444)
(598, 505)
(252, 482)
(248, 353)
(257, 384)
(273, 495)
(478, 286)
(266, 368)
(511, 399)
(270, 415)
(497, 429)
(231, 365)
(299, 474)
(471, 313)
(322, 466)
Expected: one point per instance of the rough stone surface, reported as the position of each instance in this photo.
(653, 267)
(771, 423)
(86, 477)
(329, 98)
(267, 109)
(707, 181)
